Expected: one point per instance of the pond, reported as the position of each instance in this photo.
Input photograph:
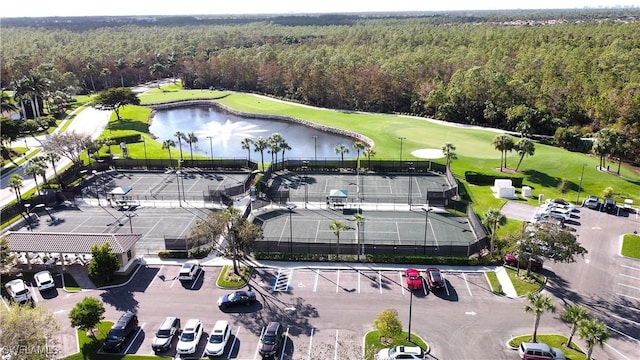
(222, 133)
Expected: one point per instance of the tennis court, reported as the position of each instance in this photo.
(187, 184)
(155, 224)
(362, 186)
(310, 228)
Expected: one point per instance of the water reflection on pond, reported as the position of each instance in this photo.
(223, 133)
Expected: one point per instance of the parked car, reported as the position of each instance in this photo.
(560, 203)
(557, 213)
(435, 281)
(592, 202)
(120, 332)
(44, 280)
(189, 270)
(271, 340)
(190, 337)
(218, 338)
(401, 352)
(18, 291)
(413, 278)
(167, 331)
(522, 261)
(610, 206)
(237, 298)
(539, 351)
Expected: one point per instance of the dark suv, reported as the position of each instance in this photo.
(120, 332)
(610, 206)
(271, 340)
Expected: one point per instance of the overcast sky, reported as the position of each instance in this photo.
(39, 8)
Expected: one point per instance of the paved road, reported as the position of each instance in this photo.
(89, 121)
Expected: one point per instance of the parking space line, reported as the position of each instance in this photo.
(401, 283)
(233, 344)
(629, 276)
(289, 280)
(134, 338)
(467, 283)
(629, 286)
(315, 282)
(174, 281)
(275, 283)
(359, 274)
(619, 353)
(310, 343)
(444, 281)
(632, 297)
(630, 267)
(284, 346)
(155, 277)
(623, 334)
(380, 281)
(338, 281)
(629, 307)
(625, 319)
(255, 356)
(195, 281)
(5, 303)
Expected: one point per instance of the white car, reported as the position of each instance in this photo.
(559, 203)
(218, 338)
(559, 213)
(18, 290)
(401, 352)
(189, 270)
(190, 337)
(44, 280)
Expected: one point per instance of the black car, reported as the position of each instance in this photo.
(120, 332)
(270, 340)
(610, 206)
(237, 298)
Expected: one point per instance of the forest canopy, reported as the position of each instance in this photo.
(538, 71)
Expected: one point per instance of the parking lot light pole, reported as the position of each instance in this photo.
(580, 185)
(315, 148)
(426, 210)
(290, 207)
(95, 186)
(410, 309)
(178, 183)
(411, 169)
(144, 145)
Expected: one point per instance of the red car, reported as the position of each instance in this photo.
(414, 280)
(434, 279)
(521, 261)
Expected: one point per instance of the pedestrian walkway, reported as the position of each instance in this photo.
(80, 275)
(505, 282)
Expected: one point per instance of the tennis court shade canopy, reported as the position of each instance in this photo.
(121, 190)
(68, 243)
(338, 194)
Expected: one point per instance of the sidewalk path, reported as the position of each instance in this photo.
(505, 282)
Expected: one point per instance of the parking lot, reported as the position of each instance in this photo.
(285, 295)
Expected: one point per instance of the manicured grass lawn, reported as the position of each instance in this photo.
(493, 281)
(525, 285)
(631, 246)
(228, 280)
(372, 343)
(553, 341)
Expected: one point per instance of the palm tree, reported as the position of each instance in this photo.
(246, 145)
(53, 157)
(35, 168)
(524, 147)
(448, 149)
(359, 221)
(369, 153)
(358, 146)
(191, 138)
(503, 143)
(106, 74)
(537, 305)
(284, 146)
(138, 64)
(259, 145)
(15, 183)
(6, 105)
(91, 69)
(167, 145)
(336, 227)
(594, 332)
(274, 144)
(341, 150)
(181, 136)
(605, 143)
(156, 71)
(121, 64)
(574, 314)
(493, 219)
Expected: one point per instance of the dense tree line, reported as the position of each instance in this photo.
(534, 77)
